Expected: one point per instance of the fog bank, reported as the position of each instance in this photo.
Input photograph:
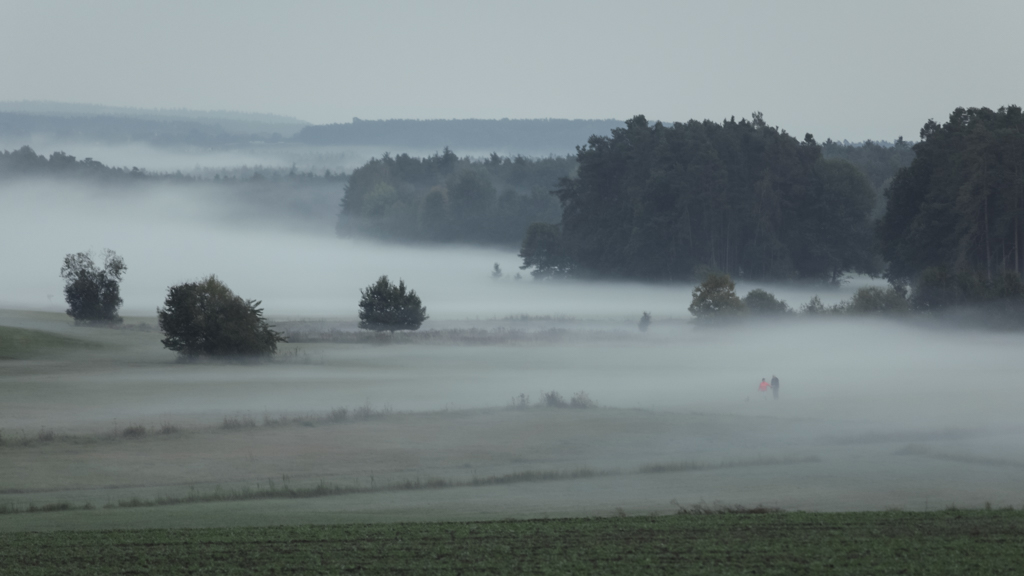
(168, 234)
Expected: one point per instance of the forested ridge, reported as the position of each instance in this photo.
(21, 123)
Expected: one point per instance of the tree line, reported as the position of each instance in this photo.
(444, 198)
(664, 203)
(953, 225)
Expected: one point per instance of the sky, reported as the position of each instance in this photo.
(841, 70)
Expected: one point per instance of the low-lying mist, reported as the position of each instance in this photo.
(872, 411)
(172, 233)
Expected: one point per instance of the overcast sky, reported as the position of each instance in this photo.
(856, 69)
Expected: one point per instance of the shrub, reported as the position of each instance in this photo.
(814, 306)
(554, 400)
(521, 402)
(385, 306)
(134, 431)
(715, 298)
(206, 318)
(337, 415)
(875, 300)
(236, 422)
(93, 294)
(757, 301)
(645, 322)
(581, 400)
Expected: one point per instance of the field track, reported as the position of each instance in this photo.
(948, 542)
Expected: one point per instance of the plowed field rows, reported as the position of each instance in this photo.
(950, 542)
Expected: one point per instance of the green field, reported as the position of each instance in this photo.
(949, 542)
(20, 343)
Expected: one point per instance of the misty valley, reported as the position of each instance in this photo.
(594, 332)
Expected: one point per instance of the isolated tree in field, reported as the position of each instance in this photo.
(385, 306)
(715, 298)
(206, 318)
(93, 294)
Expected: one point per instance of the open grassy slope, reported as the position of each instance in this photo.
(21, 343)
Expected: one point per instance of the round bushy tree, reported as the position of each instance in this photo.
(759, 301)
(206, 318)
(875, 300)
(93, 294)
(715, 298)
(385, 306)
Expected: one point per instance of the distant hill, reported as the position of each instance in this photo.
(24, 122)
(231, 122)
(525, 136)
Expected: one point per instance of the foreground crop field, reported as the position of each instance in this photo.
(949, 542)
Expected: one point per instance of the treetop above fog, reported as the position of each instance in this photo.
(657, 202)
(957, 209)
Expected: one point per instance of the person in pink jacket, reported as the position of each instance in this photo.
(763, 386)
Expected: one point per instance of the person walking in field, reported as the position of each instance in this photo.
(762, 387)
(775, 386)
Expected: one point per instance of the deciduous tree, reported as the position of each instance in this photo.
(206, 318)
(93, 294)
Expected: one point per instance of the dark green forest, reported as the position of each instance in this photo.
(952, 227)
(879, 161)
(657, 202)
(444, 198)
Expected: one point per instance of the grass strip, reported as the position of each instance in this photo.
(324, 489)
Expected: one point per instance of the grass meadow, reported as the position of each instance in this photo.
(526, 447)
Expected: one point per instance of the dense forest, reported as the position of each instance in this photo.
(879, 161)
(656, 202)
(953, 222)
(444, 198)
